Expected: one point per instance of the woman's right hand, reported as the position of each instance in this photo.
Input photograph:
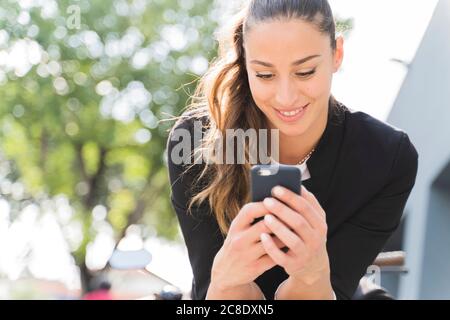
(242, 257)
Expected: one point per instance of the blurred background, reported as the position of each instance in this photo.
(84, 85)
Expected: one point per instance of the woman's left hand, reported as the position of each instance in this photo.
(300, 223)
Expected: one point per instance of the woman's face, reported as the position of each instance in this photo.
(290, 65)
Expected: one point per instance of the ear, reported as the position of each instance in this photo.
(338, 54)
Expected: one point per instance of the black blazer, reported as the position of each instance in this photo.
(362, 173)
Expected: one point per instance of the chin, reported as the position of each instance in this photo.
(292, 132)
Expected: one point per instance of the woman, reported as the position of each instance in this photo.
(275, 71)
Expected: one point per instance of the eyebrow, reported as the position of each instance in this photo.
(295, 63)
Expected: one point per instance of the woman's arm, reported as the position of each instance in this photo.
(195, 227)
(320, 289)
(245, 292)
(201, 233)
(358, 241)
(203, 241)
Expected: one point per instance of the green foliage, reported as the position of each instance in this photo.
(344, 26)
(81, 117)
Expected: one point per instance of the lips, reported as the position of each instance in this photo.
(290, 115)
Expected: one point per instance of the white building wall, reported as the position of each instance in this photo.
(422, 109)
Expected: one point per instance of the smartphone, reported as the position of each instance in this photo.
(265, 177)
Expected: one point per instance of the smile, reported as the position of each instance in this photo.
(293, 114)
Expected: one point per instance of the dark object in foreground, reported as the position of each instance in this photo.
(169, 293)
(367, 290)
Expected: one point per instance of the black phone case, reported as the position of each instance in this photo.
(281, 175)
(286, 176)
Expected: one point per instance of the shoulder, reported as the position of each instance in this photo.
(363, 128)
(378, 139)
(188, 127)
(375, 153)
(188, 121)
(184, 137)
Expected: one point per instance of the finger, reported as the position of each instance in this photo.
(300, 205)
(253, 233)
(313, 201)
(280, 244)
(249, 241)
(292, 240)
(252, 239)
(247, 214)
(264, 263)
(292, 219)
(258, 251)
(278, 256)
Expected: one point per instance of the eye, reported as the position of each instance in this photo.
(264, 75)
(306, 74)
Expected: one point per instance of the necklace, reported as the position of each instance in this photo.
(307, 157)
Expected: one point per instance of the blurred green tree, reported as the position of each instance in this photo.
(83, 85)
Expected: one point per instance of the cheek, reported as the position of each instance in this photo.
(318, 87)
(261, 93)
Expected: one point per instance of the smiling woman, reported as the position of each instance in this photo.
(290, 77)
(274, 71)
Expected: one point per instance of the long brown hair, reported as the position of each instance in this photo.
(223, 94)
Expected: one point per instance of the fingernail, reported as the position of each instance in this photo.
(264, 237)
(278, 191)
(269, 218)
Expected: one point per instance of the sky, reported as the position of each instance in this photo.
(368, 81)
(383, 30)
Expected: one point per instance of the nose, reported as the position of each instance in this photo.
(286, 93)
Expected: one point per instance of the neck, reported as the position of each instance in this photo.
(295, 148)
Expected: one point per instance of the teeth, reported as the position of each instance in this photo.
(291, 113)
